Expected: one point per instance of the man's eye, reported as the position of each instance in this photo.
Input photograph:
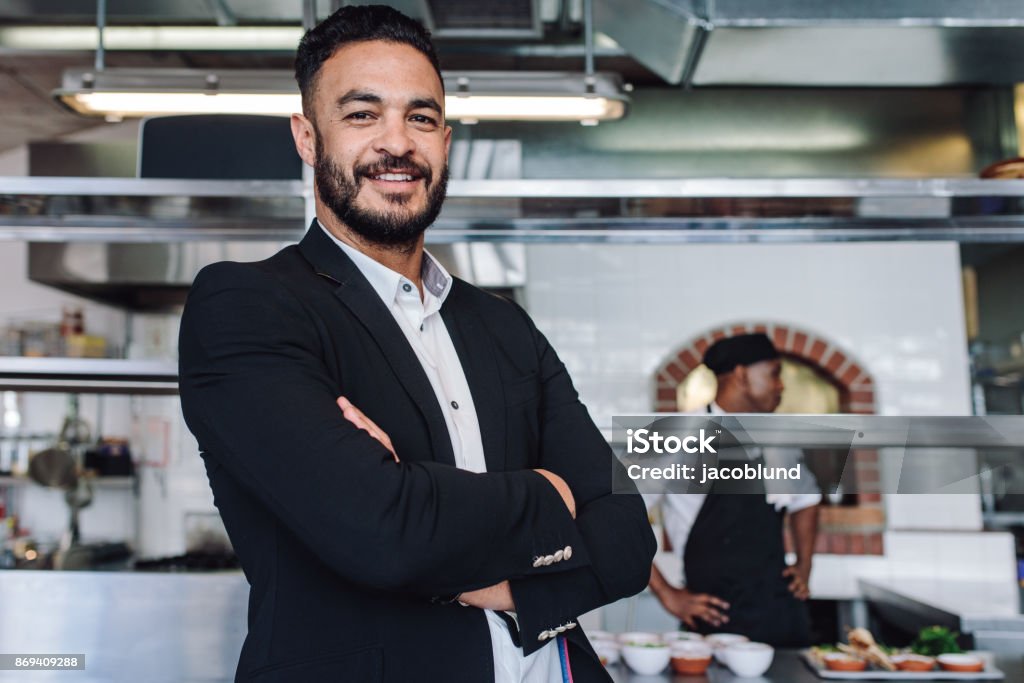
(359, 116)
(420, 118)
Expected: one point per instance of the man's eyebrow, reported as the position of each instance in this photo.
(358, 96)
(425, 103)
(373, 98)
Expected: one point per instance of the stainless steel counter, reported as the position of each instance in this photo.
(130, 627)
(786, 668)
(189, 627)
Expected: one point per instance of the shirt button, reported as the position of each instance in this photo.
(407, 287)
(455, 405)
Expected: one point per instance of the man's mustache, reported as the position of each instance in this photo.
(392, 164)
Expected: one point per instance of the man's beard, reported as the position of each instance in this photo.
(395, 229)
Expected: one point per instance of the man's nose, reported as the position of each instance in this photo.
(394, 137)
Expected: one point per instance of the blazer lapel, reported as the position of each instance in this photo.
(478, 362)
(356, 293)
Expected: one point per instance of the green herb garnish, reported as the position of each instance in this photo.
(933, 641)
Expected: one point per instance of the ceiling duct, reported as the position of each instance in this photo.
(813, 43)
(476, 19)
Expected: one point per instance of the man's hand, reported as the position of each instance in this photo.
(693, 606)
(799, 578)
(496, 597)
(562, 488)
(356, 417)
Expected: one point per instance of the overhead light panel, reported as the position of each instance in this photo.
(471, 96)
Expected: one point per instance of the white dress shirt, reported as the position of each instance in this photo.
(422, 325)
(679, 511)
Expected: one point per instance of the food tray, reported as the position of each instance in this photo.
(991, 673)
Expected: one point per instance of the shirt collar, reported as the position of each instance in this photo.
(436, 280)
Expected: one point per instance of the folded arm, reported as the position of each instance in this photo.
(614, 527)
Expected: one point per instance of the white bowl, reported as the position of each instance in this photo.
(681, 636)
(639, 638)
(607, 650)
(748, 659)
(595, 636)
(647, 660)
(719, 641)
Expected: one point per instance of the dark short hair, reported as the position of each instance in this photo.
(356, 24)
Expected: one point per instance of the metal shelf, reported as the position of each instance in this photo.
(97, 482)
(524, 188)
(89, 376)
(43, 209)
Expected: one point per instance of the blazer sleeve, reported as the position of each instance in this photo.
(615, 529)
(258, 397)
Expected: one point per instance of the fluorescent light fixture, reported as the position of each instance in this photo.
(151, 38)
(471, 96)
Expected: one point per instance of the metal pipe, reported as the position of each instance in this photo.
(308, 14)
(588, 37)
(101, 25)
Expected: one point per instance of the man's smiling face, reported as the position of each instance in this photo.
(381, 143)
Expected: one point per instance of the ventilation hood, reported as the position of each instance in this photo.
(817, 43)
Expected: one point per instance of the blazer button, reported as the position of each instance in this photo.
(537, 562)
(559, 554)
(543, 636)
(560, 629)
(567, 553)
(571, 624)
(549, 560)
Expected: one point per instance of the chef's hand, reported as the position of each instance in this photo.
(799, 578)
(356, 417)
(563, 490)
(496, 597)
(690, 606)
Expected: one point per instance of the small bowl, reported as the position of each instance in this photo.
(681, 636)
(647, 660)
(595, 636)
(719, 641)
(912, 662)
(639, 638)
(607, 651)
(690, 657)
(961, 663)
(839, 661)
(748, 659)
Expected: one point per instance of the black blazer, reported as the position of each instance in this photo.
(351, 556)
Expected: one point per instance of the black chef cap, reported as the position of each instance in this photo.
(744, 349)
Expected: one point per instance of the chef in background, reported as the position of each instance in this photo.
(735, 575)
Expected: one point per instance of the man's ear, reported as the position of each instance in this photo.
(305, 138)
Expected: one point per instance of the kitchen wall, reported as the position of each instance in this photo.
(616, 312)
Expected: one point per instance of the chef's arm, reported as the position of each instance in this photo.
(804, 525)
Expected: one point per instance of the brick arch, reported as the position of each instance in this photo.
(849, 530)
